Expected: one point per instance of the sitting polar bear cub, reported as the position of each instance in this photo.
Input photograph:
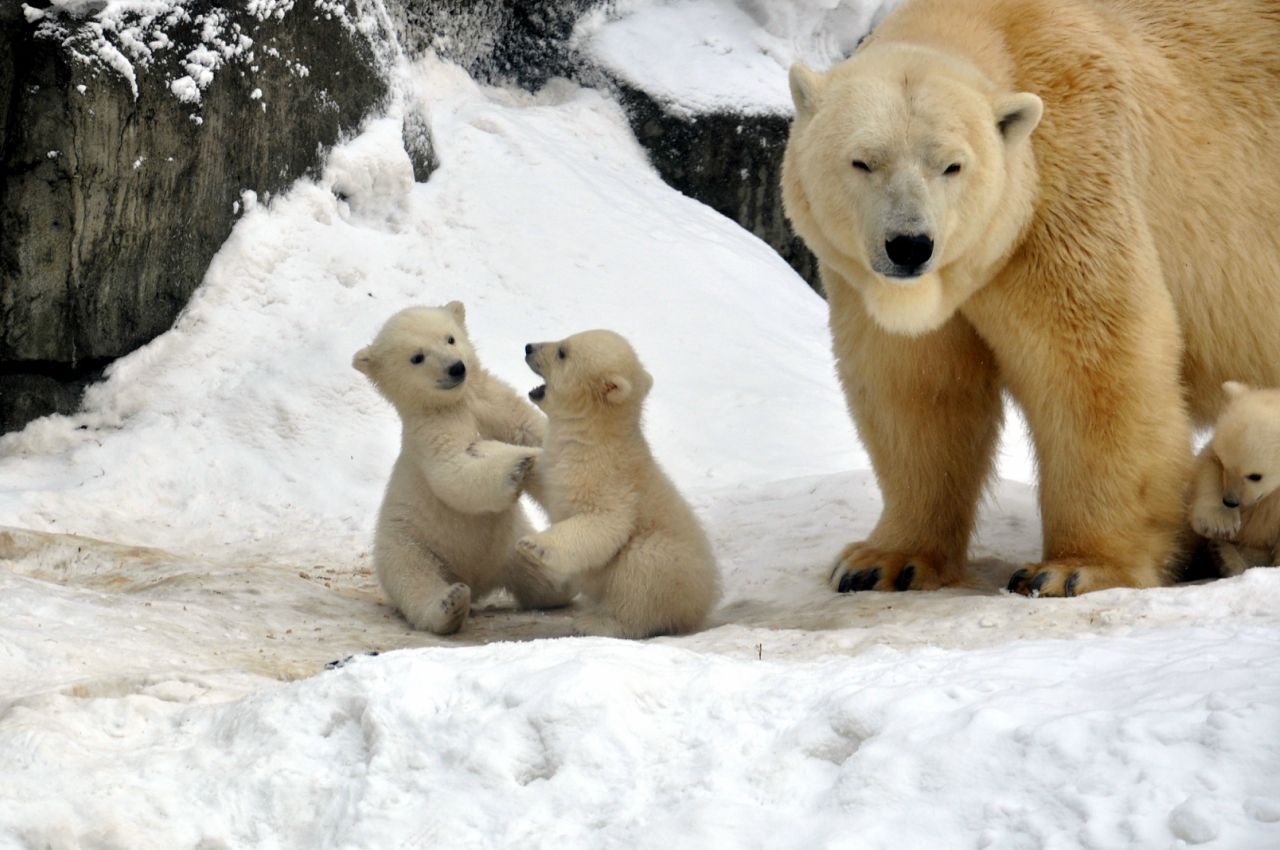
(621, 532)
(1236, 500)
(450, 517)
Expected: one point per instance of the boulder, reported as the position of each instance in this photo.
(125, 148)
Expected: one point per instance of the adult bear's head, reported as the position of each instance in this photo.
(904, 173)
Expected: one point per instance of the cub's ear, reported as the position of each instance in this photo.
(1234, 389)
(805, 88)
(617, 389)
(363, 360)
(1017, 115)
(459, 312)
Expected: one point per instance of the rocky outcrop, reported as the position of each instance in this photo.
(122, 166)
(732, 163)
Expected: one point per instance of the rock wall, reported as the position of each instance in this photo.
(122, 168)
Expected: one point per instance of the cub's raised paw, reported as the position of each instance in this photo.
(1216, 522)
(521, 470)
(862, 566)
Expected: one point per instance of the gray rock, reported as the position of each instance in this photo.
(114, 200)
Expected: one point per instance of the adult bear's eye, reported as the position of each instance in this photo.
(861, 166)
(953, 168)
(1257, 476)
(417, 358)
(560, 353)
(451, 340)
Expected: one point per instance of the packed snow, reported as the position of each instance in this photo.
(698, 56)
(182, 558)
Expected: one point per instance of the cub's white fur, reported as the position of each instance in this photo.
(1236, 498)
(621, 531)
(450, 516)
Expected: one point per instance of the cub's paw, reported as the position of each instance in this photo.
(446, 613)
(1227, 558)
(533, 550)
(522, 468)
(597, 624)
(1216, 522)
(862, 566)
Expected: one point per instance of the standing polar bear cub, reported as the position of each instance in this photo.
(1236, 499)
(620, 530)
(450, 518)
(1073, 201)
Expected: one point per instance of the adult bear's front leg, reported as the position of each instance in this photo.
(928, 411)
(1094, 362)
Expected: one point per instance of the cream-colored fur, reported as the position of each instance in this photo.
(450, 518)
(620, 531)
(1100, 183)
(1235, 503)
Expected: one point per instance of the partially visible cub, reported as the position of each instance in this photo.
(620, 531)
(1236, 501)
(450, 517)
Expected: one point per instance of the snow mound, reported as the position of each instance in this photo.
(244, 430)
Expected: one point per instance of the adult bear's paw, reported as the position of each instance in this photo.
(1071, 577)
(862, 566)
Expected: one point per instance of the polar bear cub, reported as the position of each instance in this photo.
(450, 518)
(620, 530)
(1236, 498)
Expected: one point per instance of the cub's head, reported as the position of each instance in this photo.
(594, 373)
(898, 165)
(1246, 440)
(421, 358)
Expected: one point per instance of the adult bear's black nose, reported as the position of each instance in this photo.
(909, 251)
(458, 370)
(1228, 502)
(528, 349)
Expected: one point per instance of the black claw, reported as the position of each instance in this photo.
(1038, 582)
(904, 579)
(846, 583)
(869, 579)
(1070, 587)
(1016, 580)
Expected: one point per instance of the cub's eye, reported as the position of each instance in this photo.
(451, 340)
(861, 166)
(417, 358)
(560, 353)
(953, 168)
(1257, 476)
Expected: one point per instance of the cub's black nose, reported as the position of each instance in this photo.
(458, 370)
(528, 349)
(1229, 502)
(909, 251)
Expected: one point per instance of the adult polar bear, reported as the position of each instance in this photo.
(1076, 201)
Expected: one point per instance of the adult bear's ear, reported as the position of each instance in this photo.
(363, 360)
(1017, 115)
(805, 88)
(459, 312)
(1234, 388)
(617, 389)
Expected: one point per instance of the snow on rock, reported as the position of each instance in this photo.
(698, 56)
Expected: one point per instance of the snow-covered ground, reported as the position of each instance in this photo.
(180, 560)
